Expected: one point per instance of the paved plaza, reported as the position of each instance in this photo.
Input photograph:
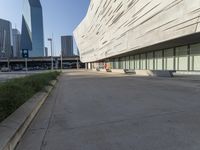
(97, 111)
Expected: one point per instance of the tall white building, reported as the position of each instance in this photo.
(141, 34)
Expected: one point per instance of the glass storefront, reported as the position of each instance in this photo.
(184, 58)
(195, 57)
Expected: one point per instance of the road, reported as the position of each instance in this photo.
(8, 76)
(11, 75)
(94, 111)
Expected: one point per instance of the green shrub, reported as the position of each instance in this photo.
(16, 92)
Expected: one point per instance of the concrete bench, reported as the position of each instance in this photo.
(102, 70)
(118, 71)
(129, 71)
(97, 69)
(161, 73)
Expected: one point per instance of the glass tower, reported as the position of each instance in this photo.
(32, 34)
(16, 43)
(5, 39)
(67, 46)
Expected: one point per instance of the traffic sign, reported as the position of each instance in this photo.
(25, 53)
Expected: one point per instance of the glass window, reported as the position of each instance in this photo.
(143, 61)
(127, 63)
(150, 61)
(116, 63)
(158, 60)
(137, 62)
(111, 63)
(182, 58)
(122, 63)
(195, 57)
(169, 59)
(132, 63)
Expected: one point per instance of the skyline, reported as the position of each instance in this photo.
(60, 18)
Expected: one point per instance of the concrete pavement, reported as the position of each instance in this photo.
(92, 111)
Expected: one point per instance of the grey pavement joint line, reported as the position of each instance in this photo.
(123, 120)
(43, 143)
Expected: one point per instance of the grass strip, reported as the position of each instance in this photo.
(16, 92)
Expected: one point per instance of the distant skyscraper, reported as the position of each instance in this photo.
(46, 52)
(32, 37)
(67, 46)
(5, 38)
(16, 43)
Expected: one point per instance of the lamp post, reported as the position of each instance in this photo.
(77, 63)
(61, 61)
(25, 55)
(50, 40)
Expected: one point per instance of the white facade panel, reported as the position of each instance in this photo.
(115, 27)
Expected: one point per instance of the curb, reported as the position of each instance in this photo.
(13, 128)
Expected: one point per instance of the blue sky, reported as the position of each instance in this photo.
(61, 17)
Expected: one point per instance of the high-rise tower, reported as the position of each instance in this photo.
(5, 38)
(67, 46)
(16, 43)
(32, 37)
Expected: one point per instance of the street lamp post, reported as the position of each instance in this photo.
(50, 40)
(77, 63)
(61, 60)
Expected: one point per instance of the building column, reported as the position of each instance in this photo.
(188, 53)
(174, 55)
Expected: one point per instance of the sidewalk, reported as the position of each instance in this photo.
(92, 111)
